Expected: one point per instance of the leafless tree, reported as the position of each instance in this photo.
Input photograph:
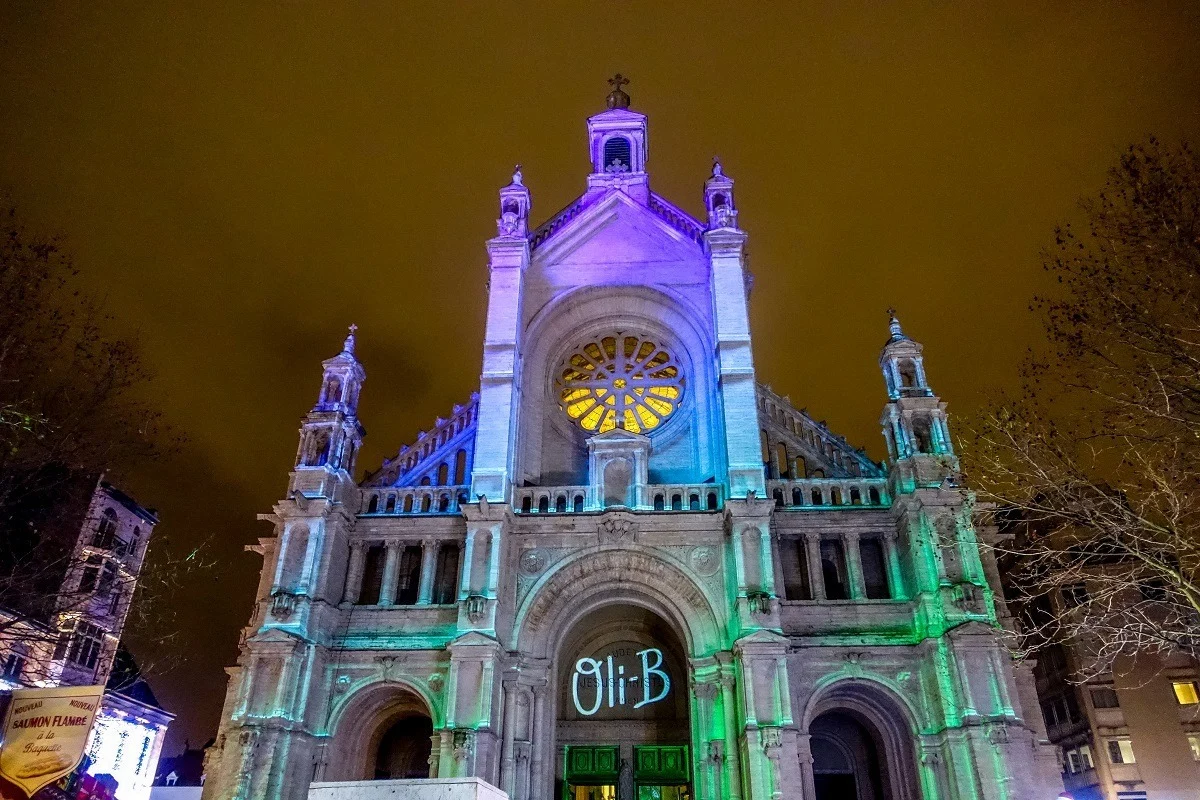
(71, 409)
(1095, 463)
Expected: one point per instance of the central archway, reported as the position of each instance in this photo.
(622, 719)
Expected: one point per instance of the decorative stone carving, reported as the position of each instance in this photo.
(435, 681)
(533, 562)
(760, 602)
(476, 606)
(705, 560)
(617, 529)
(341, 684)
(601, 568)
(283, 603)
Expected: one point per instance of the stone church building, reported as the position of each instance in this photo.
(625, 568)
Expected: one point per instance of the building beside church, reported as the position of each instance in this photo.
(71, 567)
(625, 567)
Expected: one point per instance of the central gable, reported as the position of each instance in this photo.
(610, 239)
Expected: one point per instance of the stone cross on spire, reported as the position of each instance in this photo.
(617, 97)
(348, 347)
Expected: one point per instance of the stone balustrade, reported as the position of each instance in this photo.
(826, 493)
(415, 500)
(651, 497)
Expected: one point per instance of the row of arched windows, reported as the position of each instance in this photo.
(428, 443)
(415, 502)
(827, 496)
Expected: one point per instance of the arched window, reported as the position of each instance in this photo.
(764, 446)
(408, 503)
(333, 391)
(443, 474)
(425, 481)
(835, 496)
(560, 504)
(817, 500)
(797, 497)
(782, 456)
(617, 155)
(444, 503)
(526, 504)
(712, 501)
(106, 531)
(659, 503)
(855, 496)
(426, 502)
(391, 504)
(908, 374)
(677, 502)
(578, 506)
(693, 502)
(777, 493)
(460, 467)
(921, 432)
(873, 494)
(543, 504)
(373, 506)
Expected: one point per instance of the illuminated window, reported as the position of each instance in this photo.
(1194, 743)
(1120, 751)
(1185, 692)
(86, 645)
(620, 382)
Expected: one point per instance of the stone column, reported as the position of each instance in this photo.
(468, 555)
(429, 556)
(812, 550)
(537, 778)
(506, 748)
(387, 589)
(895, 576)
(804, 750)
(493, 574)
(354, 572)
(854, 572)
(435, 753)
(728, 703)
(767, 565)
(739, 558)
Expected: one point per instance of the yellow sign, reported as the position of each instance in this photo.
(45, 732)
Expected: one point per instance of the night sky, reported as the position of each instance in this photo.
(243, 182)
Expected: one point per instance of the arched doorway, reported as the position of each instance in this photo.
(404, 749)
(845, 759)
(862, 743)
(622, 724)
(383, 731)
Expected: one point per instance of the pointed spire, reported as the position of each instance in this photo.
(894, 326)
(517, 177)
(348, 345)
(717, 171)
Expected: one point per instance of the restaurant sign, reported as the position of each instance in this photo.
(45, 732)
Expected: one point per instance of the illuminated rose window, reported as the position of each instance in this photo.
(620, 381)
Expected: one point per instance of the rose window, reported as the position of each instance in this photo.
(620, 382)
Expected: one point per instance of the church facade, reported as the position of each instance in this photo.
(625, 568)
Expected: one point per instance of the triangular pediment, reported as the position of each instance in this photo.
(617, 229)
(620, 435)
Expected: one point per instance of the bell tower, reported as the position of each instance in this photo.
(914, 419)
(617, 139)
(330, 434)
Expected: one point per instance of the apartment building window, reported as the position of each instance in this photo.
(1077, 759)
(1185, 692)
(1061, 710)
(86, 645)
(1105, 697)
(1120, 751)
(1194, 743)
(91, 573)
(14, 664)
